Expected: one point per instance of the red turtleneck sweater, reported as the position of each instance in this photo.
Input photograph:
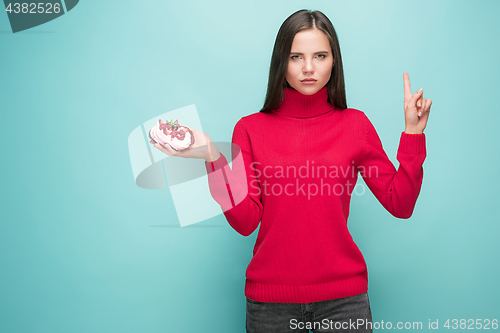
(294, 171)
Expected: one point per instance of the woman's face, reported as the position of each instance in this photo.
(310, 63)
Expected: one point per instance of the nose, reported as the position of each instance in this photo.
(308, 67)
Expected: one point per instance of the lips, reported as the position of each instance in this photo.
(309, 81)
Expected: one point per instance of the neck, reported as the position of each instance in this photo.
(298, 105)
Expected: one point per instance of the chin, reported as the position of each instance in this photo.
(308, 90)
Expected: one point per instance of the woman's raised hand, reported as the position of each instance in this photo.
(202, 148)
(417, 109)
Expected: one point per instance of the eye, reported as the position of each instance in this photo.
(294, 57)
(321, 56)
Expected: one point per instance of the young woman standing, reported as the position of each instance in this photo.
(299, 161)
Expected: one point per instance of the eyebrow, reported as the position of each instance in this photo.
(303, 53)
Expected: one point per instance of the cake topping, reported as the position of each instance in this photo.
(172, 128)
(177, 135)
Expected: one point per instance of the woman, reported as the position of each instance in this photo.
(295, 168)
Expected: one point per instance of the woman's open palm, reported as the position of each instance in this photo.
(416, 108)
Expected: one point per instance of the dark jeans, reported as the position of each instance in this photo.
(348, 314)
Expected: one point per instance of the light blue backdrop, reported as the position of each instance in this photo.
(78, 248)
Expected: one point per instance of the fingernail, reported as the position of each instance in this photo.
(420, 90)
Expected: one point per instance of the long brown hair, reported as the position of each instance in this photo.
(303, 20)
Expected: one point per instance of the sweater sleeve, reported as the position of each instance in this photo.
(397, 190)
(237, 190)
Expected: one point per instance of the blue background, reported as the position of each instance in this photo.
(83, 249)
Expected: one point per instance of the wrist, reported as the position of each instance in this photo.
(408, 131)
(213, 152)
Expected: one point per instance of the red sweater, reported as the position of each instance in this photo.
(294, 171)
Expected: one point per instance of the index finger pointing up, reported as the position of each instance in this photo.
(407, 87)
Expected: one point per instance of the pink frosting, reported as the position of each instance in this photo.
(163, 139)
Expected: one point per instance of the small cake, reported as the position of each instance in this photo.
(179, 137)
